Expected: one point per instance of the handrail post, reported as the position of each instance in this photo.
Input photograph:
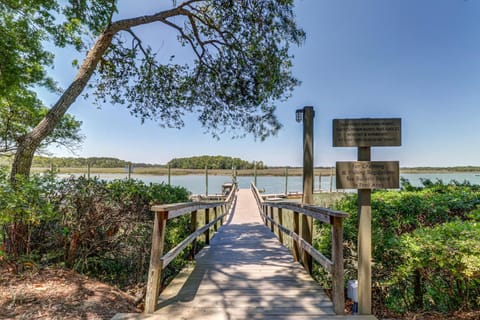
(193, 228)
(207, 221)
(156, 265)
(272, 226)
(307, 230)
(280, 222)
(337, 273)
(296, 229)
(223, 210)
(215, 227)
(265, 213)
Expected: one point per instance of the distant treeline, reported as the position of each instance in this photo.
(198, 162)
(213, 162)
(95, 162)
(441, 169)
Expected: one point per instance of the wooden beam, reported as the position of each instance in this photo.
(306, 229)
(318, 213)
(296, 229)
(207, 221)
(272, 221)
(193, 228)
(338, 295)
(280, 222)
(155, 269)
(174, 252)
(364, 243)
(307, 247)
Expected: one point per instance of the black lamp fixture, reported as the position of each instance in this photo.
(299, 115)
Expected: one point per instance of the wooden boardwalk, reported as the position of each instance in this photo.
(245, 273)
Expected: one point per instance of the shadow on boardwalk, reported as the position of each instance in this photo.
(245, 273)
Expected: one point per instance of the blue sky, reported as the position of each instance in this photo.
(417, 60)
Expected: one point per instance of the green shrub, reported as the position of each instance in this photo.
(97, 227)
(23, 208)
(446, 258)
(108, 225)
(395, 214)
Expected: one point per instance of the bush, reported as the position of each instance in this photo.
(96, 227)
(23, 208)
(440, 267)
(395, 215)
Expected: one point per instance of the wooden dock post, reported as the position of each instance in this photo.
(193, 228)
(272, 225)
(155, 270)
(215, 214)
(331, 180)
(169, 174)
(129, 170)
(307, 222)
(338, 295)
(206, 181)
(280, 222)
(364, 243)
(306, 227)
(207, 221)
(296, 229)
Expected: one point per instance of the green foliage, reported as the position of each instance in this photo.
(95, 162)
(27, 204)
(241, 65)
(20, 111)
(441, 214)
(25, 27)
(213, 162)
(96, 227)
(447, 259)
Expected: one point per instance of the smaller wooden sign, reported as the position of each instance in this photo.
(368, 175)
(368, 132)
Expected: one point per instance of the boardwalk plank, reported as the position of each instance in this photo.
(245, 273)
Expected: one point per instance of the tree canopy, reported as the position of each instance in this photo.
(212, 162)
(20, 112)
(241, 62)
(23, 61)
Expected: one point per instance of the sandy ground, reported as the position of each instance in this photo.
(59, 294)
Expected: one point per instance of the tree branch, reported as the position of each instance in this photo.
(139, 41)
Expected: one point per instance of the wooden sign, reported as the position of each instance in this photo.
(368, 175)
(367, 132)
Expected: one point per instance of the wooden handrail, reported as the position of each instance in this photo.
(163, 213)
(179, 209)
(328, 216)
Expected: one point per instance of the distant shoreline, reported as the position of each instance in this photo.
(277, 171)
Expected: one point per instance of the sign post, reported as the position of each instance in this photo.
(366, 175)
(307, 115)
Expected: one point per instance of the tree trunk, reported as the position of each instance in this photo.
(22, 161)
(28, 145)
(17, 232)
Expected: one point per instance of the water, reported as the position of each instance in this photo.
(273, 184)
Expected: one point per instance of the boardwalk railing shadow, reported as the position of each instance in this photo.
(245, 273)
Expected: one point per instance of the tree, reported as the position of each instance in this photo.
(21, 111)
(241, 63)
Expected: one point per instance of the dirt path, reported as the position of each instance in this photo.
(59, 294)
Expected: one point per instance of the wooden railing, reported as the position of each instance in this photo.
(301, 247)
(163, 213)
